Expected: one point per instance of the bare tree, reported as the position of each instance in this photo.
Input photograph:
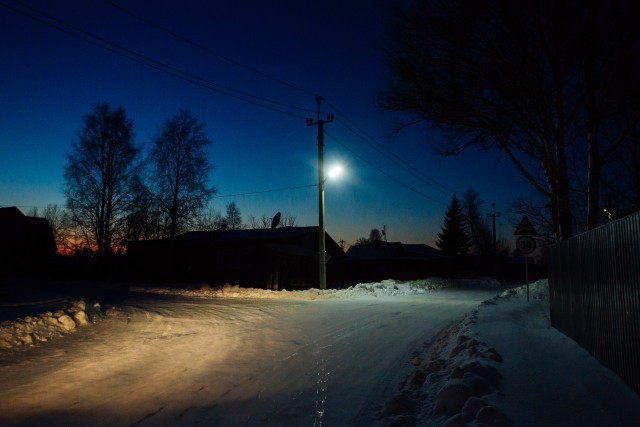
(622, 180)
(99, 175)
(375, 235)
(58, 220)
(233, 220)
(538, 214)
(210, 220)
(479, 231)
(264, 221)
(259, 223)
(361, 241)
(180, 169)
(536, 79)
(146, 220)
(288, 220)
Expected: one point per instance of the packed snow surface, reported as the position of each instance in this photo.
(430, 352)
(195, 355)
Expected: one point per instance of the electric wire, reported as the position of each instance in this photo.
(149, 62)
(384, 151)
(273, 190)
(194, 79)
(438, 186)
(217, 196)
(387, 174)
(208, 50)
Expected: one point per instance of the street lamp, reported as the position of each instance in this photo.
(334, 172)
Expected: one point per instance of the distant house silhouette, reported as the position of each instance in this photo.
(247, 257)
(25, 242)
(384, 260)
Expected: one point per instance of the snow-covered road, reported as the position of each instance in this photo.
(259, 362)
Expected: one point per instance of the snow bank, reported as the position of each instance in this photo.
(452, 377)
(386, 288)
(30, 330)
(457, 374)
(503, 364)
(538, 291)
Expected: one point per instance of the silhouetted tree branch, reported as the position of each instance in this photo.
(533, 79)
(233, 220)
(98, 177)
(180, 170)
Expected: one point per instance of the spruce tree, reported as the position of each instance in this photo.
(454, 240)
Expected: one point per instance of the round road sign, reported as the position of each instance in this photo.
(525, 245)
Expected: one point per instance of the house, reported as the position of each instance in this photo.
(383, 260)
(286, 257)
(26, 243)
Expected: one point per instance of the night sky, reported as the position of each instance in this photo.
(285, 53)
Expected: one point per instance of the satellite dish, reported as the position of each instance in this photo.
(275, 221)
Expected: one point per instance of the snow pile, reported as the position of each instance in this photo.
(30, 330)
(503, 364)
(385, 288)
(537, 291)
(457, 376)
(452, 377)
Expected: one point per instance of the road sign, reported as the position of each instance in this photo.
(525, 228)
(526, 245)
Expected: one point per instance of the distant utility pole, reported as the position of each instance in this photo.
(494, 248)
(493, 216)
(322, 253)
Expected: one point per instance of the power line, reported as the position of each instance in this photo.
(248, 193)
(149, 62)
(224, 90)
(386, 173)
(208, 50)
(273, 190)
(380, 148)
(367, 138)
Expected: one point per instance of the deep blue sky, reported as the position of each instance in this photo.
(49, 80)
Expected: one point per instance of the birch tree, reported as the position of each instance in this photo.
(180, 171)
(98, 178)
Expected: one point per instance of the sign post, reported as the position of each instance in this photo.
(525, 244)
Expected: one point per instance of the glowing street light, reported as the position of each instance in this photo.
(334, 172)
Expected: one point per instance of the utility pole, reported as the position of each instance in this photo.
(494, 248)
(493, 220)
(322, 253)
